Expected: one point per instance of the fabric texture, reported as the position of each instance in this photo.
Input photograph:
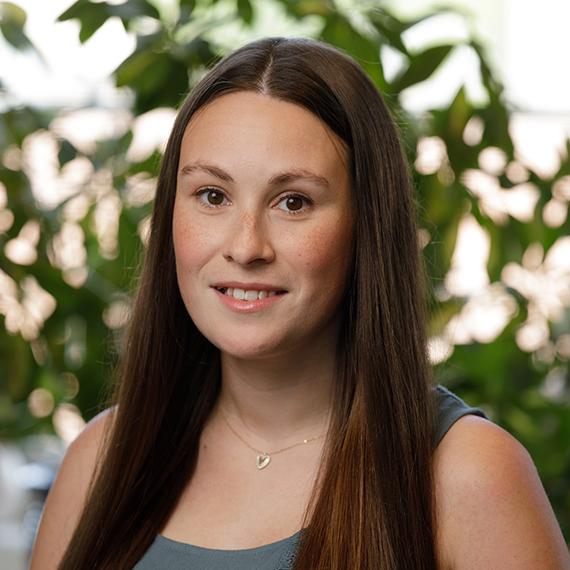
(165, 553)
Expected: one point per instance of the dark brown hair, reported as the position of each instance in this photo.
(373, 506)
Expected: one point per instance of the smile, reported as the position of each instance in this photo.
(237, 299)
(248, 295)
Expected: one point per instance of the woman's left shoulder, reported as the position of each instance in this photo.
(492, 509)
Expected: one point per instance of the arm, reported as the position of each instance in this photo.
(492, 508)
(66, 496)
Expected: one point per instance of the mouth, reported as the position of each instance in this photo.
(230, 291)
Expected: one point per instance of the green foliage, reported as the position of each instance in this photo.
(12, 21)
(91, 16)
(71, 354)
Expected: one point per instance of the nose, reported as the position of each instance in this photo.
(247, 241)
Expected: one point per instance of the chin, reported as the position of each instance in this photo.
(246, 349)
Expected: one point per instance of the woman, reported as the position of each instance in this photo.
(275, 404)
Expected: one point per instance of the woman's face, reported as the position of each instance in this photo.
(262, 199)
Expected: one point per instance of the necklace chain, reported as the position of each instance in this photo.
(264, 457)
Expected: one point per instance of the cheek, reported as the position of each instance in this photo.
(326, 256)
(191, 244)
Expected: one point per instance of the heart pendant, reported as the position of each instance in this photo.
(262, 461)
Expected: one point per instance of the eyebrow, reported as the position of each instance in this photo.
(278, 179)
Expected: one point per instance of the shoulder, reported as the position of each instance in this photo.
(66, 496)
(492, 509)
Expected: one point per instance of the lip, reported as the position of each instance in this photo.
(255, 286)
(240, 306)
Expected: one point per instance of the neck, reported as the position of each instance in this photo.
(277, 401)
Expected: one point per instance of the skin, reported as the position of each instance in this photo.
(277, 364)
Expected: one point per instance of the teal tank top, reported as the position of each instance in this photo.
(166, 553)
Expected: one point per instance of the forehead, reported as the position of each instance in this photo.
(254, 127)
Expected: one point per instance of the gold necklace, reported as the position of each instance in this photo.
(263, 457)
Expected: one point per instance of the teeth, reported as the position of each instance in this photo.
(248, 295)
(251, 295)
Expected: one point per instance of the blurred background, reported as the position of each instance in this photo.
(88, 92)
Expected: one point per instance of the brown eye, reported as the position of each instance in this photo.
(295, 204)
(214, 197)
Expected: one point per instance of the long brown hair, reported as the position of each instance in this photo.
(373, 505)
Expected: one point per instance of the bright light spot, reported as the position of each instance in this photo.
(22, 249)
(143, 230)
(76, 174)
(20, 252)
(68, 422)
(473, 131)
(492, 160)
(106, 217)
(37, 304)
(557, 266)
(393, 62)
(533, 256)
(468, 272)
(41, 165)
(68, 247)
(561, 189)
(28, 315)
(442, 28)
(141, 189)
(77, 208)
(116, 315)
(555, 213)
(546, 285)
(538, 142)
(430, 155)
(150, 132)
(487, 188)
(83, 128)
(533, 333)
(516, 172)
(68, 73)
(6, 220)
(439, 349)
(518, 201)
(40, 402)
(50, 185)
(75, 277)
(3, 196)
(8, 291)
(424, 237)
(483, 318)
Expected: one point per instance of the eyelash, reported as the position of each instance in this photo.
(291, 212)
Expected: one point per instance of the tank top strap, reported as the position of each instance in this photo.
(450, 407)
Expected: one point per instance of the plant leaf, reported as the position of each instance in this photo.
(422, 66)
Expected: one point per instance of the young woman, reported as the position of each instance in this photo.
(276, 407)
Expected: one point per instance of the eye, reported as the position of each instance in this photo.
(214, 199)
(293, 200)
(216, 194)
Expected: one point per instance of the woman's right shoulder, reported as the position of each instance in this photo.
(67, 494)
